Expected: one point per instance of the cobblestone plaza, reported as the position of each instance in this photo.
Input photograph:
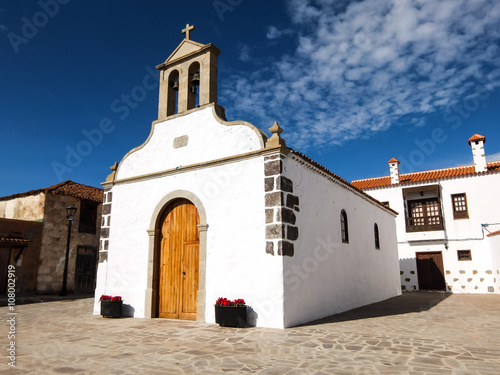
(416, 333)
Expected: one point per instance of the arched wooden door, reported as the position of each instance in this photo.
(179, 261)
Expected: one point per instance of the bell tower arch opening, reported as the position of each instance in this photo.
(194, 83)
(173, 93)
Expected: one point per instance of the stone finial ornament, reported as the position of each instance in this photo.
(276, 140)
(111, 176)
(276, 128)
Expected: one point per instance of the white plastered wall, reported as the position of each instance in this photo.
(232, 195)
(325, 276)
(477, 275)
(205, 138)
(494, 241)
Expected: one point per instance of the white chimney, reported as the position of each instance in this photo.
(477, 142)
(394, 168)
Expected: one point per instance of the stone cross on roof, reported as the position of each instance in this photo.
(188, 30)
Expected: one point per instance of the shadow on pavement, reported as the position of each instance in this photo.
(37, 298)
(408, 302)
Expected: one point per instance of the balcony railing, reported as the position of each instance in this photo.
(424, 223)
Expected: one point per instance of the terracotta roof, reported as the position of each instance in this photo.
(393, 160)
(68, 187)
(406, 178)
(340, 179)
(477, 137)
(13, 239)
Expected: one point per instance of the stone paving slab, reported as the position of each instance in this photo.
(416, 333)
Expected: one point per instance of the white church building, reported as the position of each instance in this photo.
(207, 208)
(448, 228)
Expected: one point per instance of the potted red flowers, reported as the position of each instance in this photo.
(230, 313)
(111, 307)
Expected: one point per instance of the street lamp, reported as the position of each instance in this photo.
(71, 211)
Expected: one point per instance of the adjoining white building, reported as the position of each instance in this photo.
(449, 222)
(206, 208)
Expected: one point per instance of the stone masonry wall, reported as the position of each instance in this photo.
(105, 224)
(471, 281)
(27, 264)
(29, 208)
(462, 280)
(54, 237)
(408, 273)
(281, 208)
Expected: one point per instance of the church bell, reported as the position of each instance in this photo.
(175, 85)
(196, 79)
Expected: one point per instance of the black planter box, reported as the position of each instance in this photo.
(111, 309)
(228, 316)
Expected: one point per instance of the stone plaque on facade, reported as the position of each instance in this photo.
(181, 141)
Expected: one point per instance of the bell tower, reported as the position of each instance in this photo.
(188, 78)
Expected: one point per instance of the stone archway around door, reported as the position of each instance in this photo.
(152, 307)
(178, 261)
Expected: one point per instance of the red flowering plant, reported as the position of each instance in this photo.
(105, 297)
(221, 301)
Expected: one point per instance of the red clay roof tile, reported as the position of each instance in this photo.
(65, 188)
(406, 178)
(338, 178)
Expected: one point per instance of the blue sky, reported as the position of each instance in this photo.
(353, 83)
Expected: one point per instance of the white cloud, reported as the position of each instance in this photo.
(493, 157)
(274, 33)
(244, 53)
(361, 66)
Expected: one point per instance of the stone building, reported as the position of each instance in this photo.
(39, 218)
(206, 208)
(20, 243)
(449, 223)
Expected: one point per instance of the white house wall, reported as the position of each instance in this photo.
(476, 276)
(325, 276)
(494, 241)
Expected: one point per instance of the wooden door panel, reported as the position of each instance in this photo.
(190, 266)
(179, 262)
(169, 264)
(169, 284)
(192, 220)
(4, 264)
(430, 271)
(85, 269)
